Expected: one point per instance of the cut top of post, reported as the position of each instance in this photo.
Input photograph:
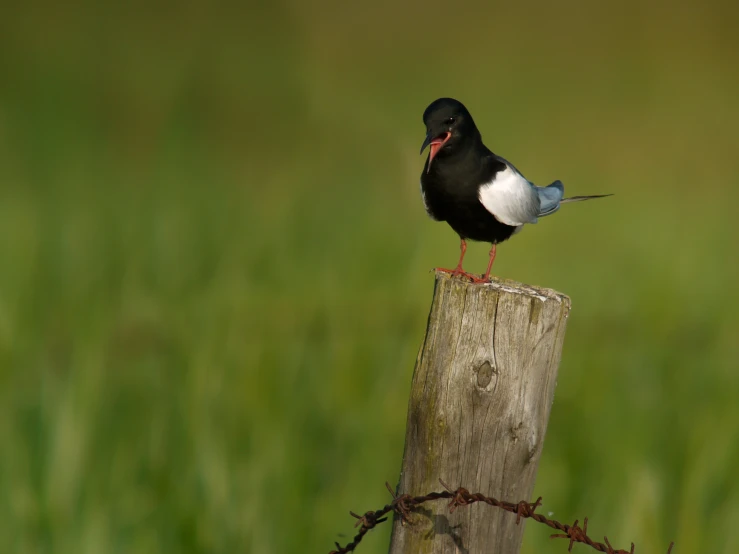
(508, 285)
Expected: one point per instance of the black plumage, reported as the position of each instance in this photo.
(479, 194)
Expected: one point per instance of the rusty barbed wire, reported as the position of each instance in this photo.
(403, 504)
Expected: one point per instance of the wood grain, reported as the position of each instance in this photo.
(482, 391)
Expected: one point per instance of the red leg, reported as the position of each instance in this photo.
(490, 264)
(458, 270)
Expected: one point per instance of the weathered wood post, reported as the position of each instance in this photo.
(482, 391)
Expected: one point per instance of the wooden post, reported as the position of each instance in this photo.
(482, 391)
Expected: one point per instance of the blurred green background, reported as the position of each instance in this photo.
(214, 263)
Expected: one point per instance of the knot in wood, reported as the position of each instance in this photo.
(485, 374)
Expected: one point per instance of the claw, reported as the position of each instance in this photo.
(459, 272)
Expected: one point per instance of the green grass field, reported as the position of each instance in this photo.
(214, 264)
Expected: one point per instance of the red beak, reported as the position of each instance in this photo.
(435, 145)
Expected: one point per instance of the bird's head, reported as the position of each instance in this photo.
(448, 126)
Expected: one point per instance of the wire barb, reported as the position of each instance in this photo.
(575, 533)
(403, 505)
(524, 509)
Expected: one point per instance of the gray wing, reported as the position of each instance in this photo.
(550, 198)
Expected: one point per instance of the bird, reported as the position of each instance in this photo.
(481, 195)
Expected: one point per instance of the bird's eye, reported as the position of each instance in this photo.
(451, 120)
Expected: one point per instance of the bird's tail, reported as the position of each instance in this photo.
(581, 198)
(550, 198)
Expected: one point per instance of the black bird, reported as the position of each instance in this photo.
(479, 194)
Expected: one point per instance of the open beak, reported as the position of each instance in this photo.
(435, 144)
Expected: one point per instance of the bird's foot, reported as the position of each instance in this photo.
(477, 279)
(459, 272)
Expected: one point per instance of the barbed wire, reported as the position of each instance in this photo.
(403, 505)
